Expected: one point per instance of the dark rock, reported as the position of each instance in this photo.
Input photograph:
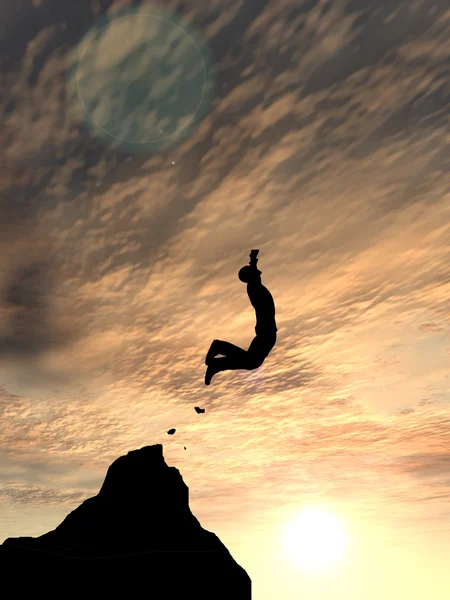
(137, 538)
(171, 431)
(199, 410)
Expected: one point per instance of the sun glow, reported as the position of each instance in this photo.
(315, 539)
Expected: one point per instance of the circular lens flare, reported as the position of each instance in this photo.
(141, 80)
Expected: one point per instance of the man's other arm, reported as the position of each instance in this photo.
(253, 258)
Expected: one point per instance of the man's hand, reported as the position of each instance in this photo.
(253, 259)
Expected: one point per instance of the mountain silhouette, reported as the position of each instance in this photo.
(137, 538)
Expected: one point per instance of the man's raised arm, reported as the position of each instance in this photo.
(253, 259)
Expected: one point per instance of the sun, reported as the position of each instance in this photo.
(315, 539)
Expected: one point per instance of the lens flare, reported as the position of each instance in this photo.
(141, 80)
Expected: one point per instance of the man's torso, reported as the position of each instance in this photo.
(264, 306)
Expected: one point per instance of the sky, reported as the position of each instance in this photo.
(145, 150)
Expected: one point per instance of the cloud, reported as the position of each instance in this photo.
(326, 149)
(35, 495)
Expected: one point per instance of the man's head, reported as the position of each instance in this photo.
(248, 274)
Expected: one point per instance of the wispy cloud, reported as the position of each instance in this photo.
(326, 147)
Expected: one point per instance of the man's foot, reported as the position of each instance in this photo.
(210, 372)
(211, 353)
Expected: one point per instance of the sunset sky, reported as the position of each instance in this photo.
(316, 131)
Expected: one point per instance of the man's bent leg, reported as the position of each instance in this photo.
(237, 358)
(227, 349)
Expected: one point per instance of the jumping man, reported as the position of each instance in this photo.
(266, 329)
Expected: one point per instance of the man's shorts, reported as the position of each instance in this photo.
(261, 346)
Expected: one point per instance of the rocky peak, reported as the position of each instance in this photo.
(137, 533)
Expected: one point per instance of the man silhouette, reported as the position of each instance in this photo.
(266, 329)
